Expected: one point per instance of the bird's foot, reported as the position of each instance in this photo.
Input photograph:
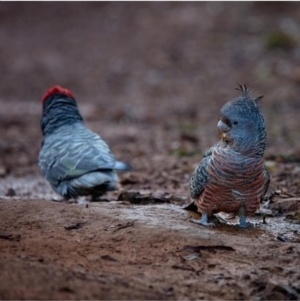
(244, 224)
(203, 221)
(199, 222)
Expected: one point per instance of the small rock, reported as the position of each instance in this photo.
(281, 238)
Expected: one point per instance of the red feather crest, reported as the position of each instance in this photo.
(57, 89)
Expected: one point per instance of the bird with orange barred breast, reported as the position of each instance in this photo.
(232, 176)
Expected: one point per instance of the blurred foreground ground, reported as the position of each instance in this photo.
(150, 78)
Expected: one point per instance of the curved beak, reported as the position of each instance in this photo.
(223, 128)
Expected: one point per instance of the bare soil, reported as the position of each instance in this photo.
(150, 78)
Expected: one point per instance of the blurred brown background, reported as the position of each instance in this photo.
(149, 77)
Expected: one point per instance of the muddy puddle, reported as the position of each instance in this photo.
(270, 227)
(86, 249)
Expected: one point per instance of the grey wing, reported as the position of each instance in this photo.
(63, 159)
(210, 151)
(200, 176)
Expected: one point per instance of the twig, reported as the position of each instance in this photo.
(129, 224)
(6, 236)
(199, 248)
(294, 199)
(75, 226)
(10, 237)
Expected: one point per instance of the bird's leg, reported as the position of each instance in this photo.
(242, 216)
(203, 221)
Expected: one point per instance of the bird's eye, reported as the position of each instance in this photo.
(235, 122)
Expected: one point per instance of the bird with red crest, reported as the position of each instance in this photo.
(75, 160)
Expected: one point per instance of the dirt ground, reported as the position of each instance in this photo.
(150, 78)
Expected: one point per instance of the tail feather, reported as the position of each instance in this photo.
(122, 166)
(94, 183)
(93, 179)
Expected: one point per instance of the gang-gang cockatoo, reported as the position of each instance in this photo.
(232, 176)
(75, 160)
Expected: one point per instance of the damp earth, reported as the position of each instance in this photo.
(150, 78)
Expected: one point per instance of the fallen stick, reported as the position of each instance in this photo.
(129, 224)
(199, 248)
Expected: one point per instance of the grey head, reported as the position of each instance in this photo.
(59, 108)
(241, 124)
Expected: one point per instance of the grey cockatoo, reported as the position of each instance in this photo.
(232, 176)
(75, 160)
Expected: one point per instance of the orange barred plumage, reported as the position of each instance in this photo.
(234, 180)
(232, 176)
